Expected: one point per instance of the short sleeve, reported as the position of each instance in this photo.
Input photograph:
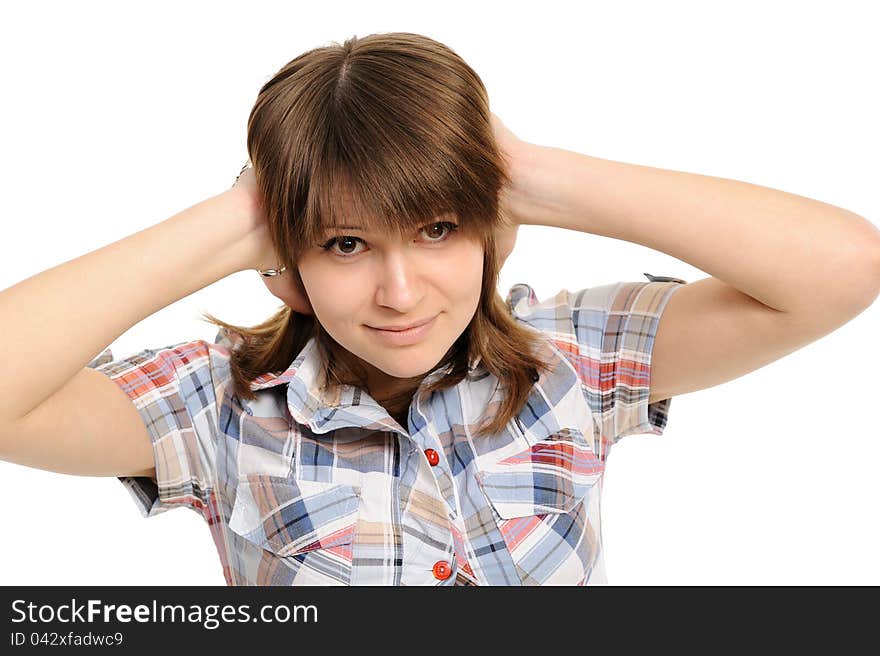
(612, 329)
(629, 314)
(173, 389)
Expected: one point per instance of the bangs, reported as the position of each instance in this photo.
(388, 136)
(395, 193)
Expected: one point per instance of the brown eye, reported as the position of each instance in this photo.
(345, 242)
(448, 225)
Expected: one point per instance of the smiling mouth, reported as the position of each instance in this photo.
(396, 329)
(407, 337)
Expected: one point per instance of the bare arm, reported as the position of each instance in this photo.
(790, 253)
(55, 322)
(786, 269)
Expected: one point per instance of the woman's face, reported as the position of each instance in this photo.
(365, 280)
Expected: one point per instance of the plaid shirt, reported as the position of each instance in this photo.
(302, 488)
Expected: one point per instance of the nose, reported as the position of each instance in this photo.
(400, 286)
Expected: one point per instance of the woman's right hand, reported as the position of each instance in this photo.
(288, 285)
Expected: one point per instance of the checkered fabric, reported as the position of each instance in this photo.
(302, 487)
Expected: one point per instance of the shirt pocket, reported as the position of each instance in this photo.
(305, 529)
(540, 498)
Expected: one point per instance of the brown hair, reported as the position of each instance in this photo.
(395, 129)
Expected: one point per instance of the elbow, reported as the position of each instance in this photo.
(873, 269)
(877, 266)
(870, 277)
(865, 266)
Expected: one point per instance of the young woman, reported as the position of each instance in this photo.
(397, 422)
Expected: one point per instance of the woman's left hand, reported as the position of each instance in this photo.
(510, 146)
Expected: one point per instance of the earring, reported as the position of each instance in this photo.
(268, 273)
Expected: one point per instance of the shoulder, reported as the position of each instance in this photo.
(589, 308)
(564, 311)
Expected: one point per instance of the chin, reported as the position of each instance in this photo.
(406, 364)
(404, 372)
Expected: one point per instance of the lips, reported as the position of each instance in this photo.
(402, 328)
(407, 337)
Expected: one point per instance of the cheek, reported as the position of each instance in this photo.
(336, 302)
(465, 275)
(332, 296)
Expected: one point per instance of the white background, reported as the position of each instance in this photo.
(116, 116)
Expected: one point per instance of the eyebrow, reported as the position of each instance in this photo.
(343, 227)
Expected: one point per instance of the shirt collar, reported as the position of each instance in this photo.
(556, 402)
(340, 407)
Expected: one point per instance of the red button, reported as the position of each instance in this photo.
(433, 459)
(442, 570)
